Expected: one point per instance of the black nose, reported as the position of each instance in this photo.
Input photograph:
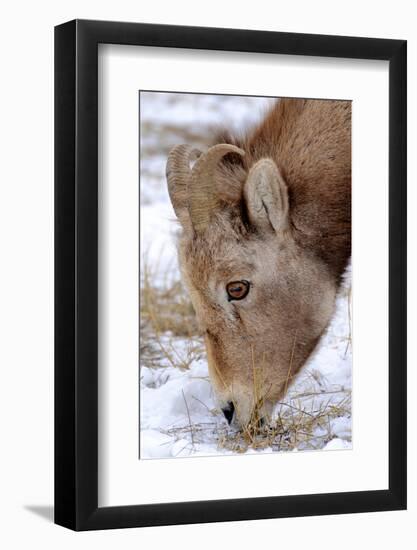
(228, 412)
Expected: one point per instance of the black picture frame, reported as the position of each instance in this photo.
(76, 272)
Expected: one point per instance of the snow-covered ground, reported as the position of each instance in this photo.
(178, 412)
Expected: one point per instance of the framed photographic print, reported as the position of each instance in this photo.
(230, 248)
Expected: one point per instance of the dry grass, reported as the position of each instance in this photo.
(302, 421)
(167, 308)
(296, 425)
(166, 312)
(293, 428)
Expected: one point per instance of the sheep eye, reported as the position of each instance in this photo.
(236, 290)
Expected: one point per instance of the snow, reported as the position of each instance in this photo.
(157, 240)
(337, 445)
(200, 110)
(178, 411)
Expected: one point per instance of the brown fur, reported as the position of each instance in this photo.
(310, 141)
(284, 225)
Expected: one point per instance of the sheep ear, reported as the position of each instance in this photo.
(266, 197)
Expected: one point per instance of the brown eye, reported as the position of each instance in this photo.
(236, 290)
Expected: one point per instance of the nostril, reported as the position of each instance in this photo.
(228, 412)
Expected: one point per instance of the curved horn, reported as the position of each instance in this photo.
(178, 173)
(201, 191)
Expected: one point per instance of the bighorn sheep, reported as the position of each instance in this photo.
(266, 231)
